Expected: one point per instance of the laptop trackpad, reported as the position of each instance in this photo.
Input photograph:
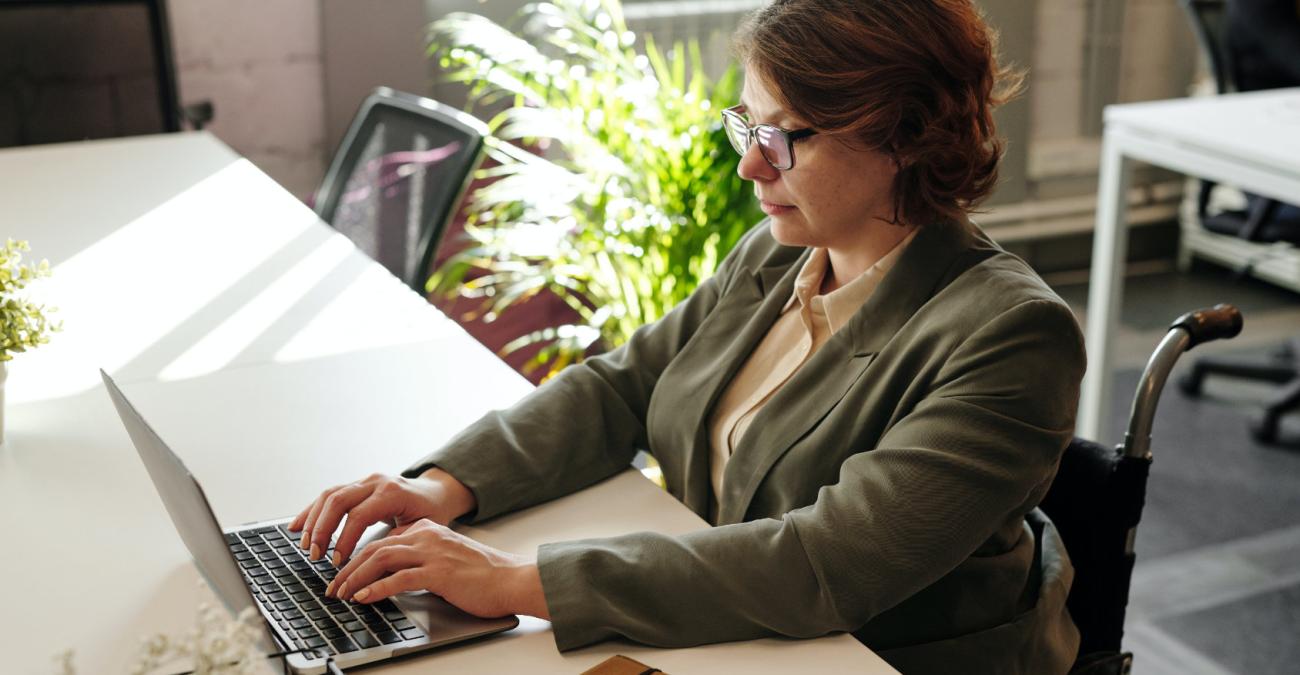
(443, 622)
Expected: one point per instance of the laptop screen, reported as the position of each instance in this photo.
(188, 508)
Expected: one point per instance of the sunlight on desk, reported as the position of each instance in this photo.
(230, 271)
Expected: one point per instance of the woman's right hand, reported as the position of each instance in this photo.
(435, 495)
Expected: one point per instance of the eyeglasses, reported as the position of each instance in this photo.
(774, 143)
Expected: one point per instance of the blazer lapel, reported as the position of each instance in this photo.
(744, 315)
(937, 254)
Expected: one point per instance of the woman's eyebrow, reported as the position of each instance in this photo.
(754, 119)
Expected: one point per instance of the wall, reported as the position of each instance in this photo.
(259, 62)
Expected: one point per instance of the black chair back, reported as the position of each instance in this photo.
(1209, 19)
(397, 179)
(73, 70)
(1096, 502)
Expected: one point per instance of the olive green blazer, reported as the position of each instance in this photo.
(888, 489)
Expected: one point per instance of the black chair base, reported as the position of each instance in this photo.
(1281, 367)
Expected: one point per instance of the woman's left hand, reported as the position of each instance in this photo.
(426, 556)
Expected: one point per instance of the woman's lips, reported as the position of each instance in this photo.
(773, 209)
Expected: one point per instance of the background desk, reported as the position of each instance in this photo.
(1251, 141)
(276, 360)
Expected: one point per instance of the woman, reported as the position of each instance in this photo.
(868, 400)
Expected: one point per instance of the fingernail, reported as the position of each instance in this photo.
(303, 544)
(343, 591)
(315, 552)
(337, 559)
(361, 594)
(329, 590)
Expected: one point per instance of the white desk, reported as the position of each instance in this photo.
(1251, 141)
(276, 360)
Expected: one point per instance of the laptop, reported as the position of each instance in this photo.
(260, 565)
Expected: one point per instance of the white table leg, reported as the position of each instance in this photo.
(1109, 250)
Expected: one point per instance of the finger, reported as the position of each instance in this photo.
(361, 516)
(401, 581)
(301, 519)
(341, 579)
(383, 562)
(314, 509)
(394, 538)
(332, 510)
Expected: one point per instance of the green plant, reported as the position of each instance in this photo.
(22, 324)
(627, 196)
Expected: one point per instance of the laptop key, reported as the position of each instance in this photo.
(302, 596)
(316, 642)
(343, 645)
(249, 534)
(403, 624)
(245, 555)
(412, 633)
(292, 614)
(333, 632)
(363, 639)
(265, 530)
(388, 637)
(259, 548)
(282, 573)
(338, 608)
(248, 564)
(299, 623)
(286, 604)
(266, 556)
(353, 626)
(278, 596)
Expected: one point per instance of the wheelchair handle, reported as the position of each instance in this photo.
(1205, 325)
(1189, 330)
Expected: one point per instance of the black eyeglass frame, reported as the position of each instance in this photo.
(736, 113)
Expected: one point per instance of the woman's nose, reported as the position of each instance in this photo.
(753, 167)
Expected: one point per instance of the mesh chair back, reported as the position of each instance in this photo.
(397, 178)
(80, 69)
(1096, 502)
(1209, 19)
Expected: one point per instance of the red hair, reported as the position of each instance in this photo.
(916, 79)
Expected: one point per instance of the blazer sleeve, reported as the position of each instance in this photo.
(582, 426)
(976, 451)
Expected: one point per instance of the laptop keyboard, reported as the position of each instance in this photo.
(292, 589)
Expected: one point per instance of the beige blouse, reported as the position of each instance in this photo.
(805, 324)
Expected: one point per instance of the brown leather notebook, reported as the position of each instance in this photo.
(622, 665)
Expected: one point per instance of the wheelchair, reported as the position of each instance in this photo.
(1097, 496)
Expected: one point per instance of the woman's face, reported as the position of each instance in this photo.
(834, 194)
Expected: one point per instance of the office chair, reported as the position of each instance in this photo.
(1096, 501)
(1209, 21)
(397, 179)
(82, 69)
(1258, 222)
